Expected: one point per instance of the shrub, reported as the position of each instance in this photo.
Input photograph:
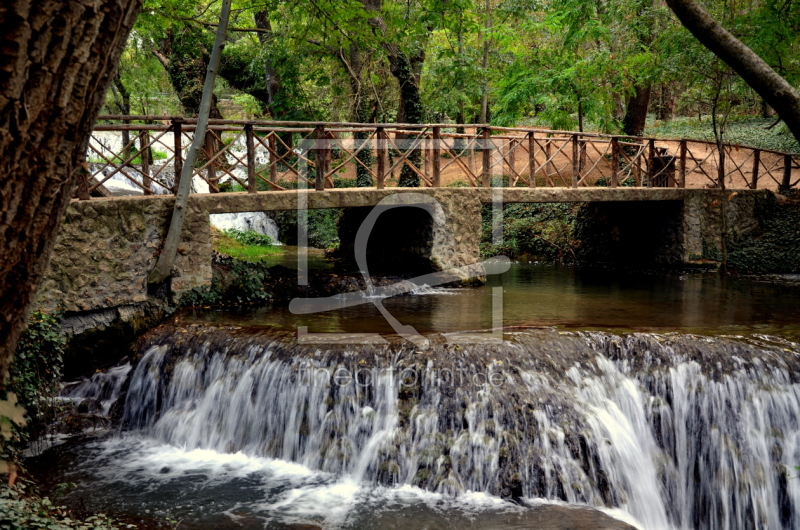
(34, 377)
(234, 282)
(249, 237)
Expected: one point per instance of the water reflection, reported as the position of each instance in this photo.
(546, 295)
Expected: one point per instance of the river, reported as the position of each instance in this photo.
(607, 399)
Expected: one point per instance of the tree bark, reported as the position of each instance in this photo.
(57, 58)
(411, 99)
(163, 267)
(271, 77)
(775, 90)
(666, 103)
(354, 65)
(636, 113)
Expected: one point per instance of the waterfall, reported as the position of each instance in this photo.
(103, 388)
(680, 431)
(258, 222)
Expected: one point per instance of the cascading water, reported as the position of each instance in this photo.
(679, 431)
(103, 388)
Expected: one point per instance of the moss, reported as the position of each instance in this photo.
(775, 246)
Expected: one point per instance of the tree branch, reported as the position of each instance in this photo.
(774, 89)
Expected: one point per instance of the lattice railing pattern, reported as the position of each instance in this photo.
(147, 157)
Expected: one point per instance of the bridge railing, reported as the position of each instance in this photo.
(136, 158)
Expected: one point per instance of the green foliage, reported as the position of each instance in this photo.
(554, 63)
(250, 237)
(22, 509)
(235, 282)
(34, 377)
(741, 130)
(539, 231)
(322, 227)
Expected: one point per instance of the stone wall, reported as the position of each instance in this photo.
(414, 240)
(703, 223)
(106, 248)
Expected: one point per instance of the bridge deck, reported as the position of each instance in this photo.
(357, 197)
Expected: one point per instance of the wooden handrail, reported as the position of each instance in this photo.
(555, 158)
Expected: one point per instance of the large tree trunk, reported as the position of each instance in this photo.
(636, 113)
(184, 55)
(666, 103)
(57, 58)
(271, 77)
(775, 90)
(354, 65)
(411, 105)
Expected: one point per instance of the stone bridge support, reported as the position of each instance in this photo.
(106, 247)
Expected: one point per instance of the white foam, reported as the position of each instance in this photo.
(138, 458)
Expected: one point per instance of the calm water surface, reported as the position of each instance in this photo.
(547, 295)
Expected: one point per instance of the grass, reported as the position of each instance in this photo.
(742, 130)
(118, 159)
(243, 245)
(750, 131)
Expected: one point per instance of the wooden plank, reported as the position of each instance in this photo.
(787, 172)
(436, 179)
(144, 156)
(273, 161)
(486, 151)
(251, 159)
(83, 183)
(322, 155)
(614, 162)
(756, 164)
(576, 169)
(531, 160)
(682, 173)
(178, 150)
(381, 152)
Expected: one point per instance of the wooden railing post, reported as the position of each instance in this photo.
(575, 160)
(273, 159)
(251, 158)
(471, 156)
(651, 162)
(511, 160)
(177, 137)
(208, 147)
(548, 166)
(756, 164)
(787, 172)
(614, 163)
(531, 160)
(682, 173)
(435, 160)
(322, 158)
(486, 150)
(582, 144)
(83, 183)
(144, 151)
(382, 151)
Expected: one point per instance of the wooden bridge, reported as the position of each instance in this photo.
(253, 156)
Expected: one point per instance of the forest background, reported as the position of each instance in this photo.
(563, 64)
